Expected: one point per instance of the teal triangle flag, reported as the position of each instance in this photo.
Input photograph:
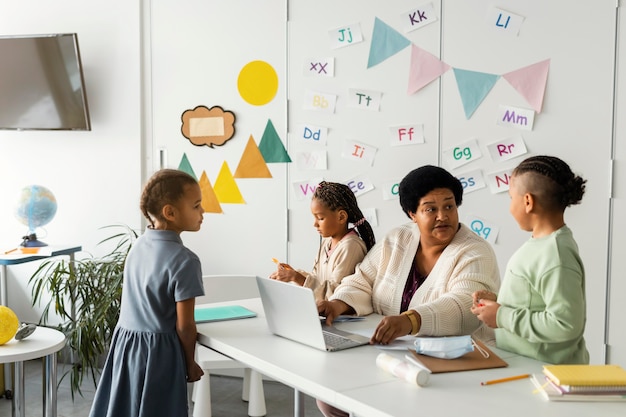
(473, 87)
(271, 147)
(185, 166)
(386, 42)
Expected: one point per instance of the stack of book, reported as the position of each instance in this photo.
(582, 383)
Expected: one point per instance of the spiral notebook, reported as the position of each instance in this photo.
(552, 392)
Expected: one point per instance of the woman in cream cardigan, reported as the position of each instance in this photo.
(420, 276)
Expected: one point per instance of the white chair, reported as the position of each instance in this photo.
(219, 288)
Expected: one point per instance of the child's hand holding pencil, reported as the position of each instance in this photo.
(281, 265)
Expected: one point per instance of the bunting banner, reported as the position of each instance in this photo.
(473, 87)
(386, 42)
(530, 82)
(425, 68)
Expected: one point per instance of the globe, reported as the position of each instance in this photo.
(35, 208)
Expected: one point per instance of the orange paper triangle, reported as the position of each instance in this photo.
(252, 164)
(210, 204)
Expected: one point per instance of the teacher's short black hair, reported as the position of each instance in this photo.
(419, 182)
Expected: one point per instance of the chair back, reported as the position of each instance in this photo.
(218, 288)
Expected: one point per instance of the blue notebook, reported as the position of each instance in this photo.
(208, 314)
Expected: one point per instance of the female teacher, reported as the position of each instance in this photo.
(420, 276)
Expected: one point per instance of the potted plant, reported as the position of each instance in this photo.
(85, 294)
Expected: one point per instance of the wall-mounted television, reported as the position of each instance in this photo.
(41, 83)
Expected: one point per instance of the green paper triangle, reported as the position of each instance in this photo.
(473, 87)
(271, 146)
(386, 42)
(185, 166)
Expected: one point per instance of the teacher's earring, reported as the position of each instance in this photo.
(24, 331)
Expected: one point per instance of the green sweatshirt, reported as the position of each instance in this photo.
(542, 298)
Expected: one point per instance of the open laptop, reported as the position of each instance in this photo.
(291, 312)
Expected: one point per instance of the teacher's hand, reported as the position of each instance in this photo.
(332, 309)
(390, 328)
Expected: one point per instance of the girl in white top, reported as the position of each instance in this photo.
(334, 208)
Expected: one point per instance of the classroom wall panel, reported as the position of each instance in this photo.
(616, 337)
(309, 27)
(574, 122)
(198, 50)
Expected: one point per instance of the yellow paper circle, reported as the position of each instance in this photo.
(8, 324)
(257, 83)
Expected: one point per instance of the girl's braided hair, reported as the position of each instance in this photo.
(337, 196)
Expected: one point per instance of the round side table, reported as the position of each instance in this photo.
(44, 342)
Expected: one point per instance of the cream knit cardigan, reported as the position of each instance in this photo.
(443, 301)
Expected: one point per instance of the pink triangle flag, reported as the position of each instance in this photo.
(530, 82)
(425, 68)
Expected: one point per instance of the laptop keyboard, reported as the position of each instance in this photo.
(337, 341)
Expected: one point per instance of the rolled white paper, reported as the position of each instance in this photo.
(403, 370)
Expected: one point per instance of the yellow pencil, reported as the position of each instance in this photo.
(277, 262)
(511, 378)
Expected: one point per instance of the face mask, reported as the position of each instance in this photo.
(449, 347)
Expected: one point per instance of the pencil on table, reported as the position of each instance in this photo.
(510, 378)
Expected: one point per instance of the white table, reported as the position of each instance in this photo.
(350, 379)
(15, 258)
(44, 342)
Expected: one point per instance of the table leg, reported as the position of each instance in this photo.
(18, 403)
(50, 387)
(298, 403)
(3, 301)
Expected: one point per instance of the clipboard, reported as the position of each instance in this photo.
(468, 362)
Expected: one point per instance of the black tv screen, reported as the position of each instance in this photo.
(41, 83)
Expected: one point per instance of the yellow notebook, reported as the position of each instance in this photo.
(586, 375)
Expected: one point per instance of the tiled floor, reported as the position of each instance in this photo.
(225, 394)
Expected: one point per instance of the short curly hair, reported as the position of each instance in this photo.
(419, 182)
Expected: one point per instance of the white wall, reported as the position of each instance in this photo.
(95, 175)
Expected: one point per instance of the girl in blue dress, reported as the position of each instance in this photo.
(151, 359)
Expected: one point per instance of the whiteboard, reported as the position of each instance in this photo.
(574, 123)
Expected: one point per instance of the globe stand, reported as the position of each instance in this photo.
(31, 241)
